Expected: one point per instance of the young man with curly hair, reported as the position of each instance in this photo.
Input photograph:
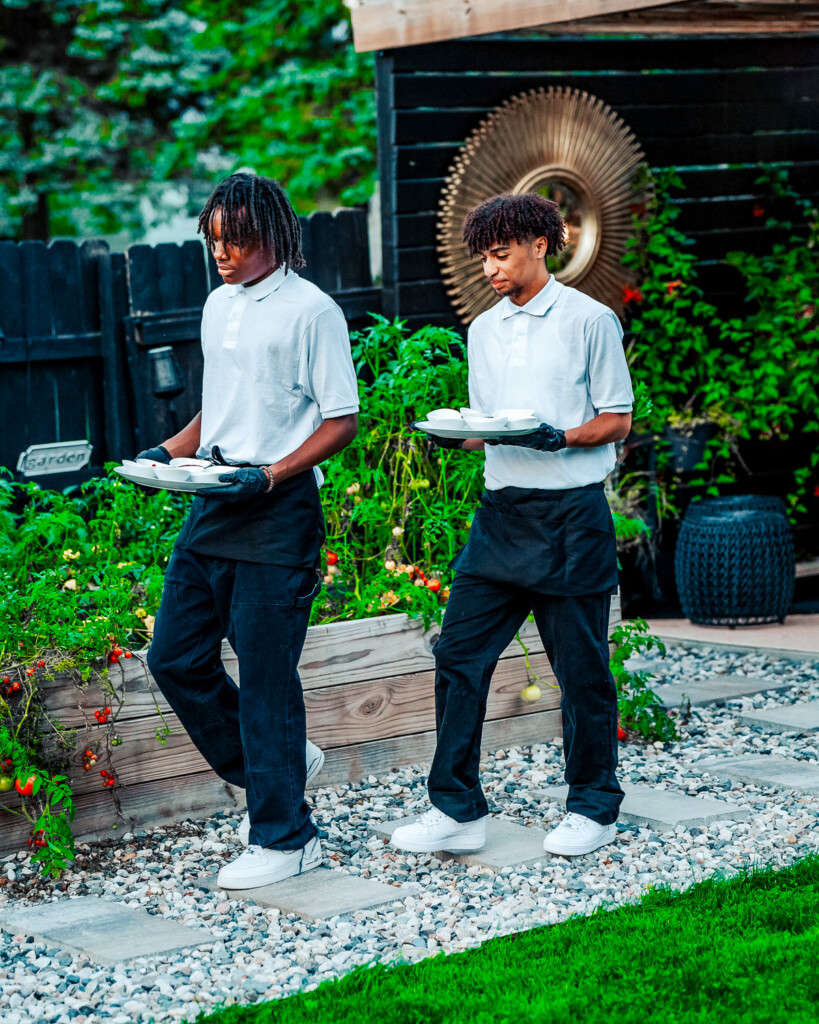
(542, 540)
(279, 396)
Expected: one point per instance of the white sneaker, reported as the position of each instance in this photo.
(259, 866)
(315, 762)
(435, 831)
(577, 834)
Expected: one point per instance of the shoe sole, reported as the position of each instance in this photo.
(419, 847)
(313, 769)
(269, 879)
(575, 852)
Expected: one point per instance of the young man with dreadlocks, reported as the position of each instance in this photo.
(542, 540)
(279, 396)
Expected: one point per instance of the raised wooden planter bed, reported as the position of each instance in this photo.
(368, 688)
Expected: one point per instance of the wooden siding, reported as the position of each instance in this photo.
(714, 108)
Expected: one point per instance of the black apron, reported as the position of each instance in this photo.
(285, 527)
(550, 542)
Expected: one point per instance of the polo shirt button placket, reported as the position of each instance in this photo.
(235, 319)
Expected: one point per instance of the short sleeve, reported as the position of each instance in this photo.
(609, 380)
(327, 374)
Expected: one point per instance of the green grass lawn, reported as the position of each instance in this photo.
(744, 950)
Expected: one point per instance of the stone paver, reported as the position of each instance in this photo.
(799, 718)
(716, 689)
(507, 843)
(796, 638)
(762, 770)
(107, 932)
(318, 894)
(665, 808)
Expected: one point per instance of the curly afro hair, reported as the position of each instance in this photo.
(520, 218)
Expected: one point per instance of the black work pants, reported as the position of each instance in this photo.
(481, 620)
(253, 737)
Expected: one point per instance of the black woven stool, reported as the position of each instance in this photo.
(736, 503)
(735, 568)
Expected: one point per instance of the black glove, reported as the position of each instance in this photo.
(544, 439)
(158, 454)
(241, 484)
(450, 443)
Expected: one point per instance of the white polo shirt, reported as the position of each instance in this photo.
(277, 363)
(562, 355)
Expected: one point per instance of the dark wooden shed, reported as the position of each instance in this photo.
(710, 88)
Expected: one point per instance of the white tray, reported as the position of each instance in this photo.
(467, 434)
(149, 480)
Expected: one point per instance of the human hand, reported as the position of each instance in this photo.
(449, 443)
(241, 484)
(544, 439)
(158, 454)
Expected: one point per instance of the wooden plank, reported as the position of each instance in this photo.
(705, 16)
(442, 91)
(524, 54)
(67, 283)
(322, 269)
(170, 276)
(12, 322)
(195, 285)
(151, 804)
(143, 285)
(385, 107)
(380, 709)
(361, 760)
(352, 249)
(389, 23)
(36, 290)
(660, 120)
(775, 147)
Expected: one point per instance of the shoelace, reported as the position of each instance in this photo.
(431, 817)
(573, 822)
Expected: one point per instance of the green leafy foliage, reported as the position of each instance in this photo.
(640, 708)
(102, 103)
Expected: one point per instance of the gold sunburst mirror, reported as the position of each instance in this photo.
(570, 147)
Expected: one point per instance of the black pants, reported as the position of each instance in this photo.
(481, 620)
(253, 737)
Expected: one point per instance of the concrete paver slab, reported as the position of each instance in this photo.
(763, 770)
(717, 689)
(800, 718)
(507, 843)
(109, 933)
(796, 638)
(318, 894)
(666, 808)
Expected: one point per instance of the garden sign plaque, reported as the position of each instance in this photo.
(56, 457)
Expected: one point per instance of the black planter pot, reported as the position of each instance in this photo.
(688, 446)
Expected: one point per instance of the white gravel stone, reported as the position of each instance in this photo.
(262, 954)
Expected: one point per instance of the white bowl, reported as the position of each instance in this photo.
(444, 416)
(515, 414)
(477, 422)
(145, 466)
(524, 423)
(175, 473)
(211, 474)
(189, 462)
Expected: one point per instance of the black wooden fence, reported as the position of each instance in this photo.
(77, 324)
(715, 108)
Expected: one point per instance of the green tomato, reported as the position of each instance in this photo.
(6, 782)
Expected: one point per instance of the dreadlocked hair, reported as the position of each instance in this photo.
(255, 211)
(520, 218)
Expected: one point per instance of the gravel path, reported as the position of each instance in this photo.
(261, 954)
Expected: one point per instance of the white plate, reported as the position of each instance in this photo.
(466, 434)
(186, 486)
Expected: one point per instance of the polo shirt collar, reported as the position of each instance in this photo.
(536, 306)
(263, 288)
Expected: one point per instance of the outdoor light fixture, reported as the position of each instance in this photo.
(166, 375)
